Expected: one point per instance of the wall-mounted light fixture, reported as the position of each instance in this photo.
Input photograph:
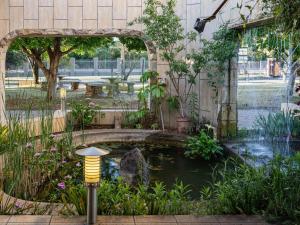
(200, 23)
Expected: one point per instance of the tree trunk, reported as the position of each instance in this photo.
(51, 90)
(292, 79)
(52, 77)
(35, 73)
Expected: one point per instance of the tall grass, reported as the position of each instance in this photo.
(22, 170)
(272, 190)
(278, 125)
(118, 198)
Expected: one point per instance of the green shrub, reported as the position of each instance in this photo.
(272, 190)
(83, 113)
(202, 146)
(118, 198)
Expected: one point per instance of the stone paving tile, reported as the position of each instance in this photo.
(136, 220)
(68, 220)
(154, 219)
(4, 219)
(200, 223)
(115, 219)
(243, 223)
(115, 223)
(195, 219)
(71, 223)
(151, 223)
(36, 223)
(30, 219)
(240, 219)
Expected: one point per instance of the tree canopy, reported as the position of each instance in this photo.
(285, 12)
(54, 48)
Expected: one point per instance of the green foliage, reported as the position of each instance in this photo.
(132, 43)
(202, 146)
(152, 88)
(53, 49)
(163, 27)
(139, 119)
(286, 13)
(217, 53)
(272, 190)
(173, 103)
(194, 111)
(278, 125)
(78, 45)
(83, 113)
(117, 198)
(14, 59)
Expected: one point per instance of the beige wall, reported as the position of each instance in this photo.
(106, 14)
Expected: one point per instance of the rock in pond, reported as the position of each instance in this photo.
(134, 168)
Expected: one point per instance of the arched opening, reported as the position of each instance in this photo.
(113, 72)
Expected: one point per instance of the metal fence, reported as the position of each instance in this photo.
(86, 67)
(253, 68)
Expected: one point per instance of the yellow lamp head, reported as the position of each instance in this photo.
(63, 93)
(92, 163)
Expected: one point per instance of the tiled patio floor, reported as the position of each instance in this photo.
(134, 220)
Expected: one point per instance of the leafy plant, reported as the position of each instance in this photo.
(272, 190)
(83, 113)
(202, 146)
(117, 198)
(164, 28)
(278, 125)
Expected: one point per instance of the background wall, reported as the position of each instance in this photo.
(99, 14)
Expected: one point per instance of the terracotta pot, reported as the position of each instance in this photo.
(183, 125)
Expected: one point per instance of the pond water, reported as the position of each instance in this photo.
(166, 164)
(258, 153)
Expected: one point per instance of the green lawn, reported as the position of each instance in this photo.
(261, 94)
(35, 98)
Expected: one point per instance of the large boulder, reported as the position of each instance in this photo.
(134, 168)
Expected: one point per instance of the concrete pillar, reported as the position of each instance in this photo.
(227, 114)
(2, 85)
(72, 63)
(142, 63)
(96, 65)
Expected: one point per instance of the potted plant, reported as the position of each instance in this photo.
(163, 27)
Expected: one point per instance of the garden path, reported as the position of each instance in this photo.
(134, 220)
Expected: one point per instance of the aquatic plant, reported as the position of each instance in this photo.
(278, 125)
(272, 190)
(203, 146)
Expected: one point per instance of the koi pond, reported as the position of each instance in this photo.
(165, 164)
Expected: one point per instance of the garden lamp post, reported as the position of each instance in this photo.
(92, 171)
(63, 96)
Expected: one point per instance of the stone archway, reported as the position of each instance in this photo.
(9, 38)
